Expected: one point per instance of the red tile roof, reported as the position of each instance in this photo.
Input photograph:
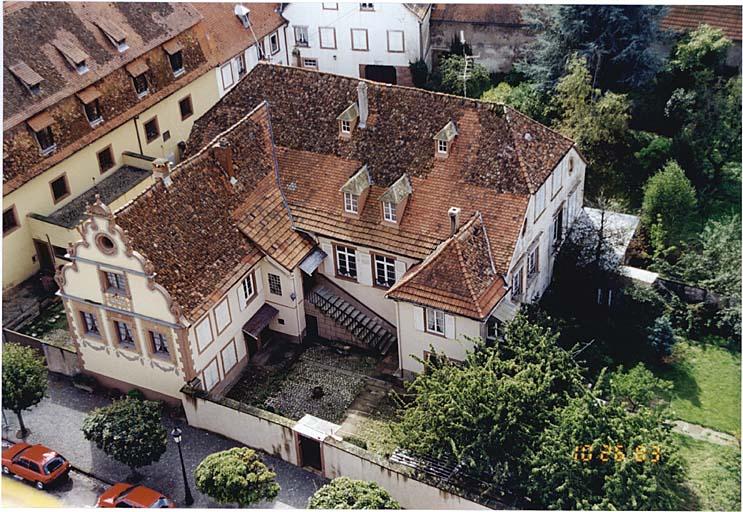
(225, 34)
(459, 276)
(689, 17)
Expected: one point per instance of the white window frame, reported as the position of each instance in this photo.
(389, 211)
(325, 44)
(532, 262)
(209, 385)
(492, 328)
(435, 321)
(384, 271)
(557, 181)
(201, 332)
(350, 202)
(517, 283)
(159, 343)
(242, 68)
(226, 67)
(345, 126)
(274, 43)
(222, 315)
(302, 30)
(389, 41)
(442, 147)
(309, 63)
(366, 40)
(366, 6)
(539, 202)
(90, 323)
(348, 256)
(274, 284)
(229, 363)
(246, 291)
(330, 6)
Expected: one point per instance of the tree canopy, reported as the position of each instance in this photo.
(24, 380)
(486, 412)
(345, 493)
(237, 476)
(129, 430)
(451, 69)
(669, 195)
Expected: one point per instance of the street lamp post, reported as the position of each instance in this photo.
(176, 433)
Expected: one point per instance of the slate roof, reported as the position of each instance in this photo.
(188, 231)
(31, 28)
(487, 14)
(459, 276)
(226, 36)
(689, 17)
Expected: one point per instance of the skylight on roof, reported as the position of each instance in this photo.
(114, 34)
(74, 56)
(30, 79)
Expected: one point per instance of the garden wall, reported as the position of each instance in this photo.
(274, 434)
(59, 358)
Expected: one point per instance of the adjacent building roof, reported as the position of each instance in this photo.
(459, 276)
(689, 17)
(224, 32)
(38, 34)
(486, 14)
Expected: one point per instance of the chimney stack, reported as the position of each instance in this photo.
(454, 219)
(223, 154)
(363, 104)
(161, 171)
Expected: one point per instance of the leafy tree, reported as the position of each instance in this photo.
(600, 455)
(524, 97)
(661, 337)
(619, 43)
(670, 194)
(237, 476)
(637, 387)
(655, 151)
(486, 412)
(419, 72)
(344, 493)
(451, 69)
(24, 380)
(129, 430)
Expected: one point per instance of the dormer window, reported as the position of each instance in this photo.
(243, 14)
(444, 138)
(90, 99)
(41, 125)
(74, 56)
(30, 79)
(138, 70)
(347, 121)
(351, 202)
(355, 191)
(114, 34)
(389, 211)
(174, 49)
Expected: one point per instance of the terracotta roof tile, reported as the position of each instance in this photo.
(459, 276)
(689, 17)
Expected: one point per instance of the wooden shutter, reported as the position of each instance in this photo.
(330, 260)
(400, 268)
(449, 330)
(363, 268)
(418, 318)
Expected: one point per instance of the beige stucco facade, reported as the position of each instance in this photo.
(82, 172)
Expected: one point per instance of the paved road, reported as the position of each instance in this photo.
(56, 423)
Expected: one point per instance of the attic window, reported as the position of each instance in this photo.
(30, 79)
(41, 125)
(347, 120)
(114, 34)
(137, 70)
(351, 202)
(354, 191)
(243, 14)
(89, 98)
(345, 126)
(444, 138)
(390, 211)
(395, 198)
(74, 56)
(174, 49)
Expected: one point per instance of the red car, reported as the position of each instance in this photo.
(133, 496)
(35, 463)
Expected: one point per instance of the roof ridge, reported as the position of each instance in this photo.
(467, 277)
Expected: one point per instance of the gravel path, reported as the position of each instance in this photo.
(704, 434)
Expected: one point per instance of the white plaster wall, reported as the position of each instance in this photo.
(362, 289)
(291, 311)
(251, 60)
(413, 342)
(343, 60)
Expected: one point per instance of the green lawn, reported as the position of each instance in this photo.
(706, 383)
(714, 474)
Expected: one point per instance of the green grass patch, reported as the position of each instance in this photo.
(50, 319)
(713, 474)
(706, 382)
(376, 429)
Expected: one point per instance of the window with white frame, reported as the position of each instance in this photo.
(539, 203)
(229, 356)
(90, 323)
(435, 321)
(226, 72)
(330, 6)
(492, 329)
(309, 63)
(273, 41)
(359, 39)
(246, 291)
(351, 202)
(124, 335)
(442, 147)
(384, 270)
(345, 261)
(390, 211)
(345, 126)
(516, 283)
(366, 6)
(241, 69)
(557, 228)
(204, 333)
(274, 284)
(211, 375)
(222, 315)
(395, 41)
(532, 262)
(301, 36)
(159, 343)
(557, 180)
(327, 38)
(116, 283)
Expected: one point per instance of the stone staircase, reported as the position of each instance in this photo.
(369, 331)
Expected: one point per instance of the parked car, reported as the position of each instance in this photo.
(123, 495)
(35, 463)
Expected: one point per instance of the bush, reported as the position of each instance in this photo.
(661, 337)
(452, 68)
(419, 70)
(237, 476)
(135, 394)
(344, 493)
(670, 195)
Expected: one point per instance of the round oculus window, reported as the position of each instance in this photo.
(105, 244)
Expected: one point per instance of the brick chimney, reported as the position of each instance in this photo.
(223, 153)
(161, 171)
(454, 219)
(363, 104)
